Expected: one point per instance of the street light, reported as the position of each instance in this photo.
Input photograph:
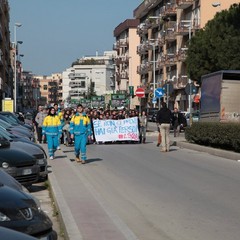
(217, 4)
(15, 65)
(154, 69)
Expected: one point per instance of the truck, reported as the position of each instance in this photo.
(220, 101)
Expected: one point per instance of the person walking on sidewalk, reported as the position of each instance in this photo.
(164, 117)
(42, 113)
(51, 129)
(59, 114)
(80, 130)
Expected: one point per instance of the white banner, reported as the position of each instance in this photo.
(116, 130)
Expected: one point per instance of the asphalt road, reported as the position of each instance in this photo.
(149, 195)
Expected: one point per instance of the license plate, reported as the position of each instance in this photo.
(27, 171)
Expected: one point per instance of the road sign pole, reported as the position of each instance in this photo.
(167, 93)
(154, 73)
(190, 103)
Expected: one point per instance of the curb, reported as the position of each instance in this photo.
(213, 151)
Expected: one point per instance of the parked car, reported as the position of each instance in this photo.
(150, 113)
(19, 164)
(21, 212)
(8, 180)
(16, 128)
(9, 234)
(32, 148)
(15, 119)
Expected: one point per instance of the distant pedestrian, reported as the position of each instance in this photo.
(178, 120)
(60, 116)
(164, 117)
(80, 130)
(42, 113)
(143, 127)
(51, 129)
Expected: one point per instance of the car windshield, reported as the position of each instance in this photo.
(11, 116)
(9, 119)
(4, 124)
(4, 135)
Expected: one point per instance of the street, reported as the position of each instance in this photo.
(133, 191)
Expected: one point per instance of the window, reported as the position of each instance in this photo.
(44, 87)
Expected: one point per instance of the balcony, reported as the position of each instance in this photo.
(170, 59)
(123, 42)
(160, 63)
(74, 84)
(161, 41)
(142, 49)
(182, 54)
(168, 10)
(73, 75)
(116, 46)
(124, 75)
(142, 29)
(153, 22)
(182, 81)
(170, 31)
(143, 68)
(183, 4)
(76, 93)
(184, 27)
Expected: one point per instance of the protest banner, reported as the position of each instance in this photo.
(116, 130)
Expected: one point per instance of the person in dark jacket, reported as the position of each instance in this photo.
(178, 121)
(164, 118)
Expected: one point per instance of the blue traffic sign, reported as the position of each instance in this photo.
(154, 100)
(159, 92)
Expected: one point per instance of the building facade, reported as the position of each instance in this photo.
(50, 88)
(127, 59)
(6, 63)
(165, 29)
(89, 76)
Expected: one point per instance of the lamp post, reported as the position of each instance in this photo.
(154, 70)
(15, 65)
(217, 4)
(189, 80)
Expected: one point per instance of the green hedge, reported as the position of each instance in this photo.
(218, 135)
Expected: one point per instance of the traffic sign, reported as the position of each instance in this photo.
(190, 89)
(159, 92)
(168, 88)
(140, 92)
(154, 100)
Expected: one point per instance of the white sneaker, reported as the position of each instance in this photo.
(58, 148)
(51, 158)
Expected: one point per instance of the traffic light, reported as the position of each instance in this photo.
(131, 91)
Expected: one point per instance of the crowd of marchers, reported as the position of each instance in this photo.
(64, 118)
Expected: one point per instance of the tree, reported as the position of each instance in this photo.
(217, 46)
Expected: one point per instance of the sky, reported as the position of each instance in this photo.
(56, 33)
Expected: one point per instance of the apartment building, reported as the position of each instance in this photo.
(165, 30)
(88, 76)
(6, 72)
(127, 59)
(50, 89)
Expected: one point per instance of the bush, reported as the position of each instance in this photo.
(218, 135)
